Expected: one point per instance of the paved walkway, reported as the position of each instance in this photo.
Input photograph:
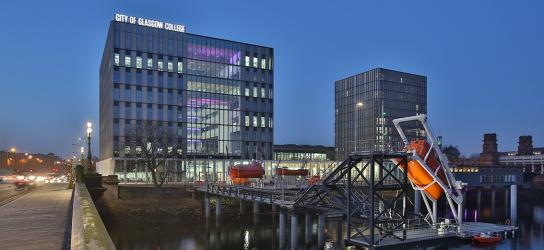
(38, 220)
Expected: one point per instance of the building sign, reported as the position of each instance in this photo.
(149, 23)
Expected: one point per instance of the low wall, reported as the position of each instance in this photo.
(88, 230)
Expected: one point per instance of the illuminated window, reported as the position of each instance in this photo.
(246, 121)
(170, 66)
(255, 92)
(255, 62)
(263, 93)
(247, 92)
(128, 62)
(139, 62)
(247, 61)
(255, 121)
(263, 63)
(160, 65)
(263, 122)
(180, 67)
(116, 61)
(149, 63)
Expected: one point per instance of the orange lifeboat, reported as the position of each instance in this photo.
(486, 238)
(419, 176)
(285, 171)
(314, 179)
(240, 174)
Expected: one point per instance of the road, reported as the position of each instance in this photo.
(38, 220)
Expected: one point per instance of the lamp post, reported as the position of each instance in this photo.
(89, 132)
(82, 149)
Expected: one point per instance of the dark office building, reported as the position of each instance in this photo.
(366, 104)
(213, 96)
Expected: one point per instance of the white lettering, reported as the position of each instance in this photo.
(149, 23)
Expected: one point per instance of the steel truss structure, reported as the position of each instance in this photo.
(367, 188)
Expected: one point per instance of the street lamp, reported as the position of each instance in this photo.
(82, 149)
(13, 150)
(89, 132)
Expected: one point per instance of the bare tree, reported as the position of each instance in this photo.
(151, 149)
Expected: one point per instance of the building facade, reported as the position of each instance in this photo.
(214, 97)
(287, 152)
(367, 103)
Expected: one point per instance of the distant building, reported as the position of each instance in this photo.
(303, 152)
(17, 162)
(366, 104)
(490, 153)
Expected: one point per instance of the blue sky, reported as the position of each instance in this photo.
(483, 59)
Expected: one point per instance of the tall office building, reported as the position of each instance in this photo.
(214, 97)
(367, 103)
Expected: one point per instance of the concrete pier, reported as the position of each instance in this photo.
(217, 206)
(274, 208)
(506, 194)
(513, 204)
(294, 235)
(308, 228)
(479, 200)
(321, 231)
(340, 237)
(417, 201)
(282, 229)
(255, 207)
(493, 201)
(206, 206)
(242, 208)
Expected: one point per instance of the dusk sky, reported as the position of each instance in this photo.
(484, 61)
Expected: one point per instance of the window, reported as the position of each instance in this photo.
(270, 92)
(246, 121)
(270, 122)
(263, 123)
(255, 121)
(170, 66)
(139, 62)
(247, 92)
(263, 63)
(263, 93)
(180, 67)
(128, 61)
(247, 61)
(255, 92)
(255, 62)
(149, 63)
(160, 65)
(116, 60)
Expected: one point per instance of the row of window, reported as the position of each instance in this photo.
(258, 121)
(139, 64)
(254, 62)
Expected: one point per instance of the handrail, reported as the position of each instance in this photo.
(88, 230)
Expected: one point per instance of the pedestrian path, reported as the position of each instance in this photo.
(38, 220)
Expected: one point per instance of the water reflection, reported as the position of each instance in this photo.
(248, 232)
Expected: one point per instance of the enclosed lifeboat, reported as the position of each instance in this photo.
(417, 173)
(286, 171)
(240, 173)
(486, 238)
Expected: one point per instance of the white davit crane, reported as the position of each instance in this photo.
(428, 170)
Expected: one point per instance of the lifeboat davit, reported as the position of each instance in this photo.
(286, 171)
(241, 172)
(417, 173)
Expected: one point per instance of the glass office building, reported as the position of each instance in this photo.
(214, 98)
(367, 103)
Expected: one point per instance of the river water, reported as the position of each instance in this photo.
(261, 233)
